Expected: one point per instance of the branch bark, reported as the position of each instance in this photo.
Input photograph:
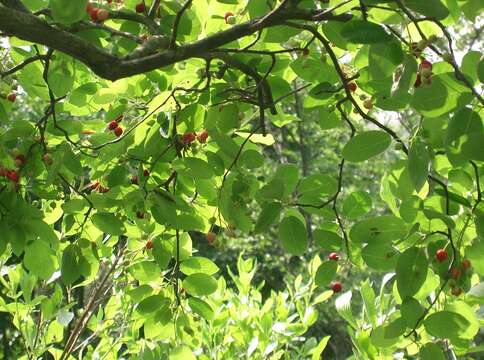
(29, 27)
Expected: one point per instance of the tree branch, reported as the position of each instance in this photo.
(31, 28)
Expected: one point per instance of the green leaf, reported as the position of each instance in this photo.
(151, 304)
(366, 145)
(411, 272)
(418, 164)
(197, 264)
(289, 174)
(318, 350)
(293, 235)
(269, 214)
(70, 267)
(431, 351)
(358, 203)
(181, 353)
(378, 229)
(411, 311)
(326, 273)
(364, 32)
(381, 257)
(67, 11)
(201, 308)
(431, 8)
(446, 324)
(108, 223)
(327, 240)
(200, 284)
(40, 259)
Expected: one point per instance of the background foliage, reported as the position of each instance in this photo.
(347, 127)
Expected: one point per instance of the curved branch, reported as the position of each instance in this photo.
(31, 28)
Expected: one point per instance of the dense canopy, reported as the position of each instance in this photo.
(147, 144)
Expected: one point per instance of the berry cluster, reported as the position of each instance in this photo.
(189, 137)
(97, 14)
(459, 274)
(114, 126)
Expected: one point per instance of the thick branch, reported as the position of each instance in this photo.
(31, 28)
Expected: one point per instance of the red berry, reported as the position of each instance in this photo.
(456, 291)
(149, 245)
(227, 14)
(336, 286)
(146, 173)
(441, 255)
(352, 86)
(102, 15)
(113, 125)
(455, 273)
(140, 214)
(418, 81)
(202, 137)
(47, 159)
(12, 175)
(466, 264)
(140, 8)
(211, 237)
(134, 180)
(425, 64)
(333, 256)
(188, 137)
(11, 97)
(93, 14)
(118, 131)
(89, 8)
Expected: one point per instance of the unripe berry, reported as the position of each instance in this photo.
(455, 273)
(231, 20)
(113, 125)
(202, 137)
(118, 131)
(336, 286)
(149, 245)
(47, 159)
(426, 72)
(102, 15)
(227, 15)
(368, 104)
(134, 180)
(456, 291)
(305, 52)
(448, 57)
(140, 8)
(333, 256)
(422, 44)
(466, 264)
(441, 255)
(352, 86)
(11, 97)
(211, 237)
